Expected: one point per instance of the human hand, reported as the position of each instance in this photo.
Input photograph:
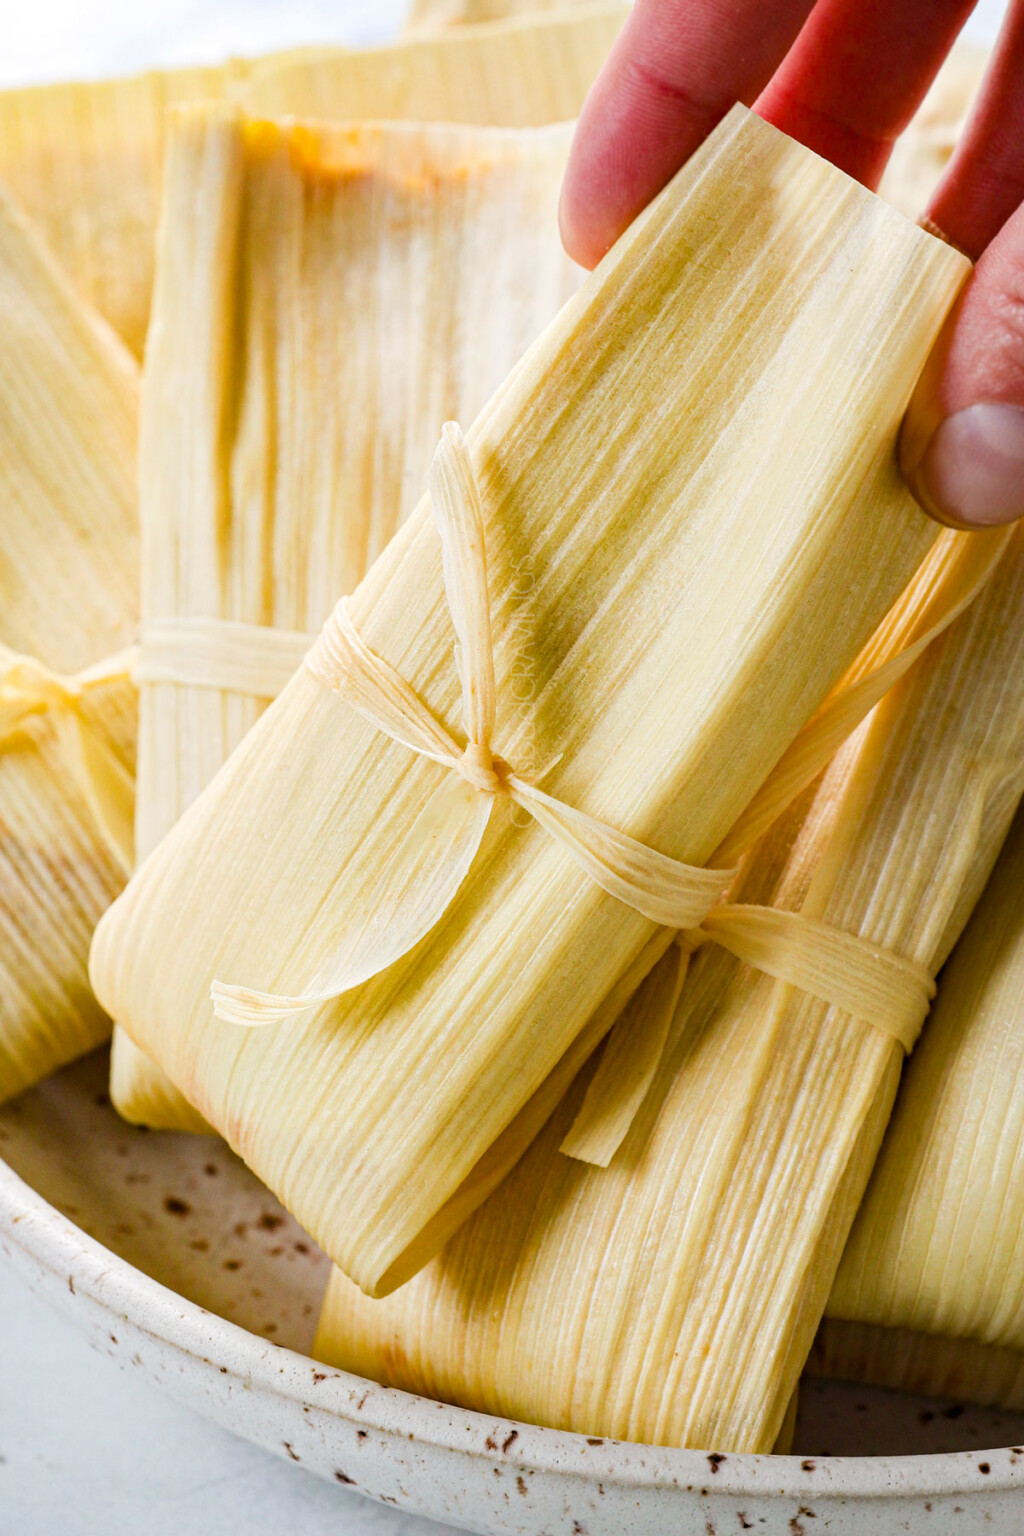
(844, 77)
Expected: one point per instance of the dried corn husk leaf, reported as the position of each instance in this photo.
(387, 275)
(937, 1245)
(68, 582)
(663, 579)
(435, 15)
(673, 1296)
(517, 73)
(84, 159)
(926, 1363)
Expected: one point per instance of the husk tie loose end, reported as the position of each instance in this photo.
(426, 871)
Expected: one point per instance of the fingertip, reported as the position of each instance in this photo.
(970, 472)
(582, 242)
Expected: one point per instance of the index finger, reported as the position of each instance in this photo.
(676, 68)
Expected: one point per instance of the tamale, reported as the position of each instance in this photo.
(325, 296)
(432, 15)
(929, 1364)
(677, 616)
(84, 158)
(936, 1247)
(521, 72)
(68, 580)
(673, 1296)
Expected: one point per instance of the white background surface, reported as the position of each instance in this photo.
(84, 1449)
(89, 1450)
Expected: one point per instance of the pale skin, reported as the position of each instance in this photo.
(844, 77)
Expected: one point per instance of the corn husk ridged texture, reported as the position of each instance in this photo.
(517, 73)
(673, 1297)
(662, 582)
(84, 159)
(68, 583)
(390, 276)
(937, 1246)
(926, 1363)
(434, 15)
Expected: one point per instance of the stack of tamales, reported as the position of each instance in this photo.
(685, 617)
(68, 578)
(578, 1160)
(325, 297)
(930, 1293)
(84, 159)
(690, 1274)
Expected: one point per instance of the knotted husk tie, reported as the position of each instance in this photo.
(211, 653)
(427, 869)
(28, 687)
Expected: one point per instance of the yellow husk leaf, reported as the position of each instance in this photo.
(937, 1246)
(435, 15)
(669, 592)
(672, 1297)
(517, 73)
(284, 441)
(926, 1363)
(68, 583)
(84, 159)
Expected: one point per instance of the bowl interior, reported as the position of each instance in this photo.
(185, 1211)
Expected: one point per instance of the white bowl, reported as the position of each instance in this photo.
(176, 1262)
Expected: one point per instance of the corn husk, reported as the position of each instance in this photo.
(68, 582)
(681, 618)
(672, 1297)
(285, 438)
(84, 159)
(936, 1248)
(435, 15)
(926, 1363)
(521, 72)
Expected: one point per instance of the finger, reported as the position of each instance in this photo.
(962, 445)
(675, 70)
(857, 74)
(984, 181)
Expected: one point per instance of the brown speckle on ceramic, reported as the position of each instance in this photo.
(170, 1255)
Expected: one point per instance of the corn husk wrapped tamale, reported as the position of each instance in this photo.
(673, 1296)
(936, 1247)
(84, 158)
(697, 461)
(433, 15)
(326, 295)
(521, 72)
(68, 582)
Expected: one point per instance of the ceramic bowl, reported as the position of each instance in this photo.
(176, 1262)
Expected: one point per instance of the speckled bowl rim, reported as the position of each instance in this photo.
(44, 1245)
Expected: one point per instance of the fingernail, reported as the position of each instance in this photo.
(972, 472)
